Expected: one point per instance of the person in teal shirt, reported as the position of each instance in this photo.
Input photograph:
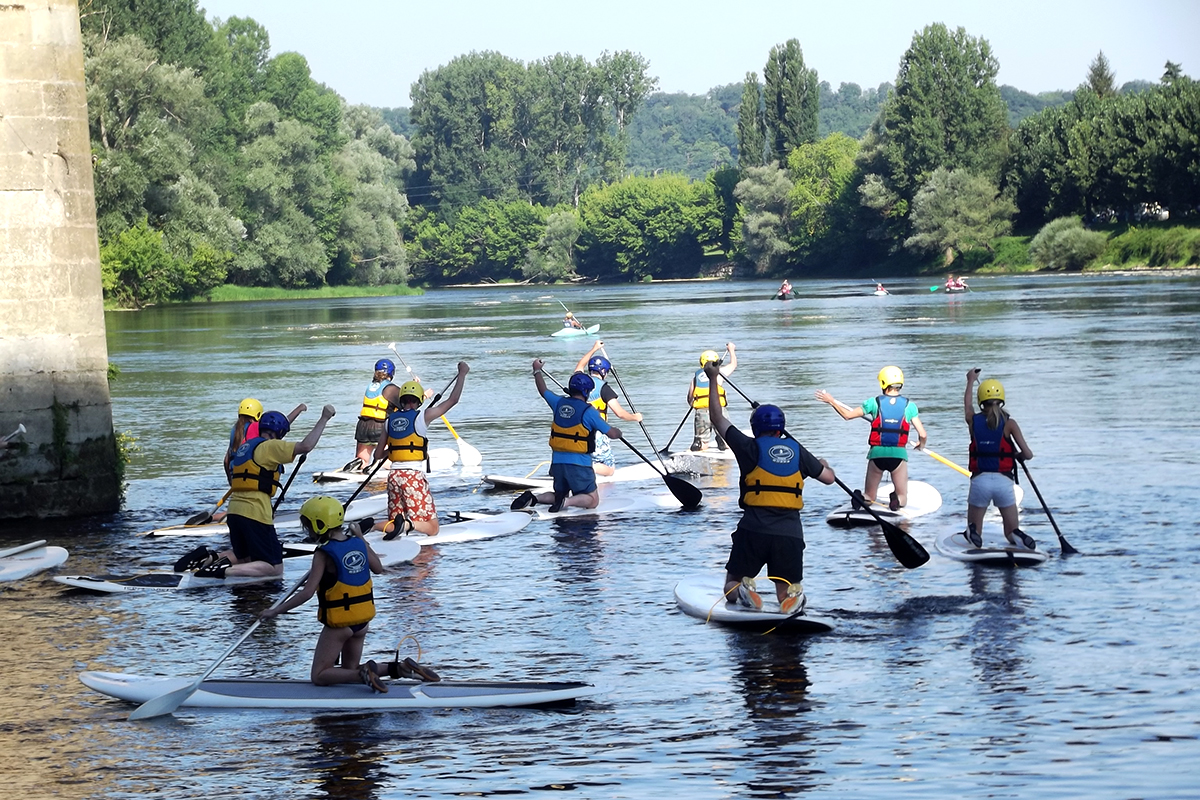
(892, 416)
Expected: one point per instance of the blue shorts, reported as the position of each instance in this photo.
(572, 479)
(253, 541)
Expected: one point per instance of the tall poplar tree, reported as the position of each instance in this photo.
(1100, 77)
(751, 136)
(790, 94)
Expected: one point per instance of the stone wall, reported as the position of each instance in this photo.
(53, 355)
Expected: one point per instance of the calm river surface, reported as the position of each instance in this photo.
(1076, 678)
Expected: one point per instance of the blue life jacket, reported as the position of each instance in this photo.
(346, 598)
(991, 451)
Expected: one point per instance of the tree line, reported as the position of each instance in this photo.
(217, 162)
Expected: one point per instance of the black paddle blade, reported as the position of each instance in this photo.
(689, 496)
(203, 518)
(907, 550)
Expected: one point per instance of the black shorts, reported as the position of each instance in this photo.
(783, 556)
(888, 464)
(368, 431)
(253, 541)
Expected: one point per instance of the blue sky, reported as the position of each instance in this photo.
(371, 51)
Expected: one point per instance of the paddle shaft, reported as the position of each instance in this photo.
(945, 461)
(166, 703)
(363, 485)
(20, 429)
(1064, 546)
(204, 517)
(670, 441)
(22, 548)
(632, 410)
(283, 493)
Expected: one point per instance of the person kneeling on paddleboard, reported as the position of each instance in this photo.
(405, 443)
(604, 399)
(891, 416)
(573, 440)
(256, 468)
(773, 467)
(340, 577)
(993, 462)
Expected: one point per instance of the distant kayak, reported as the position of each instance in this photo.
(577, 331)
(786, 296)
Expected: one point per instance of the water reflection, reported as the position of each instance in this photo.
(997, 628)
(346, 759)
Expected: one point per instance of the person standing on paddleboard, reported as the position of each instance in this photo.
(340, 577)
(892, 416)
(257, 470)
(993, 463)
(773, 467)
(405, 443)
(604, 398)
(699, 396)
(371, 418)
(573, 440)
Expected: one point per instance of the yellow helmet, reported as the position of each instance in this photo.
(709, 355)
(251, 408)
(411, 389)
(320, 515)
(890, 376)
(991, 389)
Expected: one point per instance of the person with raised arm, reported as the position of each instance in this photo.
(604, 398)
(996, 445)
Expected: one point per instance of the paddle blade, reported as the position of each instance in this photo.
(164, 703)
(469, 456)
(907, 550)
(688, 496)
(203, 518)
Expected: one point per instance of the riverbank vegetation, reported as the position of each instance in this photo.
(218, 164)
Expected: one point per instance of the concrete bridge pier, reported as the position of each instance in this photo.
(53, 355)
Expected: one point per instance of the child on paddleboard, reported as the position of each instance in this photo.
(993, 462)
(892, 416)
(340, 577)
(371, 417)
(604, 399)
(700, 395)
(773, 467)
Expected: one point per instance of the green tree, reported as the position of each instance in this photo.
(724, 182)
(1064, 244)
(646, 226)
(553, 257)
(790, 97)
(956, 211)
(1100, 78)
(766, 223)
(822, 198)
(136, 270)
(751, 129)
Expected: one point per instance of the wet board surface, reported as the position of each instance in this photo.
(702, 597)
(296, 558)
(922, 499)
(296, 694)
(612, 503)
(996, 551)
(374, 505)
(28, 562)
(543, 482)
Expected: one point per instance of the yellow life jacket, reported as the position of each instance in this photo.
(775, 480)
(701, 391)
(598, 402)
(403, 441)
(247, 475)
(568, 434)
(346, 598)
(375, 405)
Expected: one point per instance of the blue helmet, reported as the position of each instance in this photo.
(600, 365)
(385, 366)
(766, 419)
(274, 422)
(579, 383)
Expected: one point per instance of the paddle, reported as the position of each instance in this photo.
(934, 288)
(907, 550)
(283, 492)
(12, 551)
(363, 485)
(667, 450)
(20, 429)
(945, 461)
(166, 703)
(469, 456)
(1064, 546)
(632, 410)
(205, 517)
(689, 496)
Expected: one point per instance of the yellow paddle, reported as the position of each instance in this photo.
(945, 461)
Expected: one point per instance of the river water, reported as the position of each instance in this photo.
(1075, 678)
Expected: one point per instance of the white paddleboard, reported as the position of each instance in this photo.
(401, 694)
(922, 499)
(544, 483)
(612, 503)
(702, 597)
(994, 553)
(441, 459)
(374, 505)
(296, 557)
(485, 526)
(25, 560)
